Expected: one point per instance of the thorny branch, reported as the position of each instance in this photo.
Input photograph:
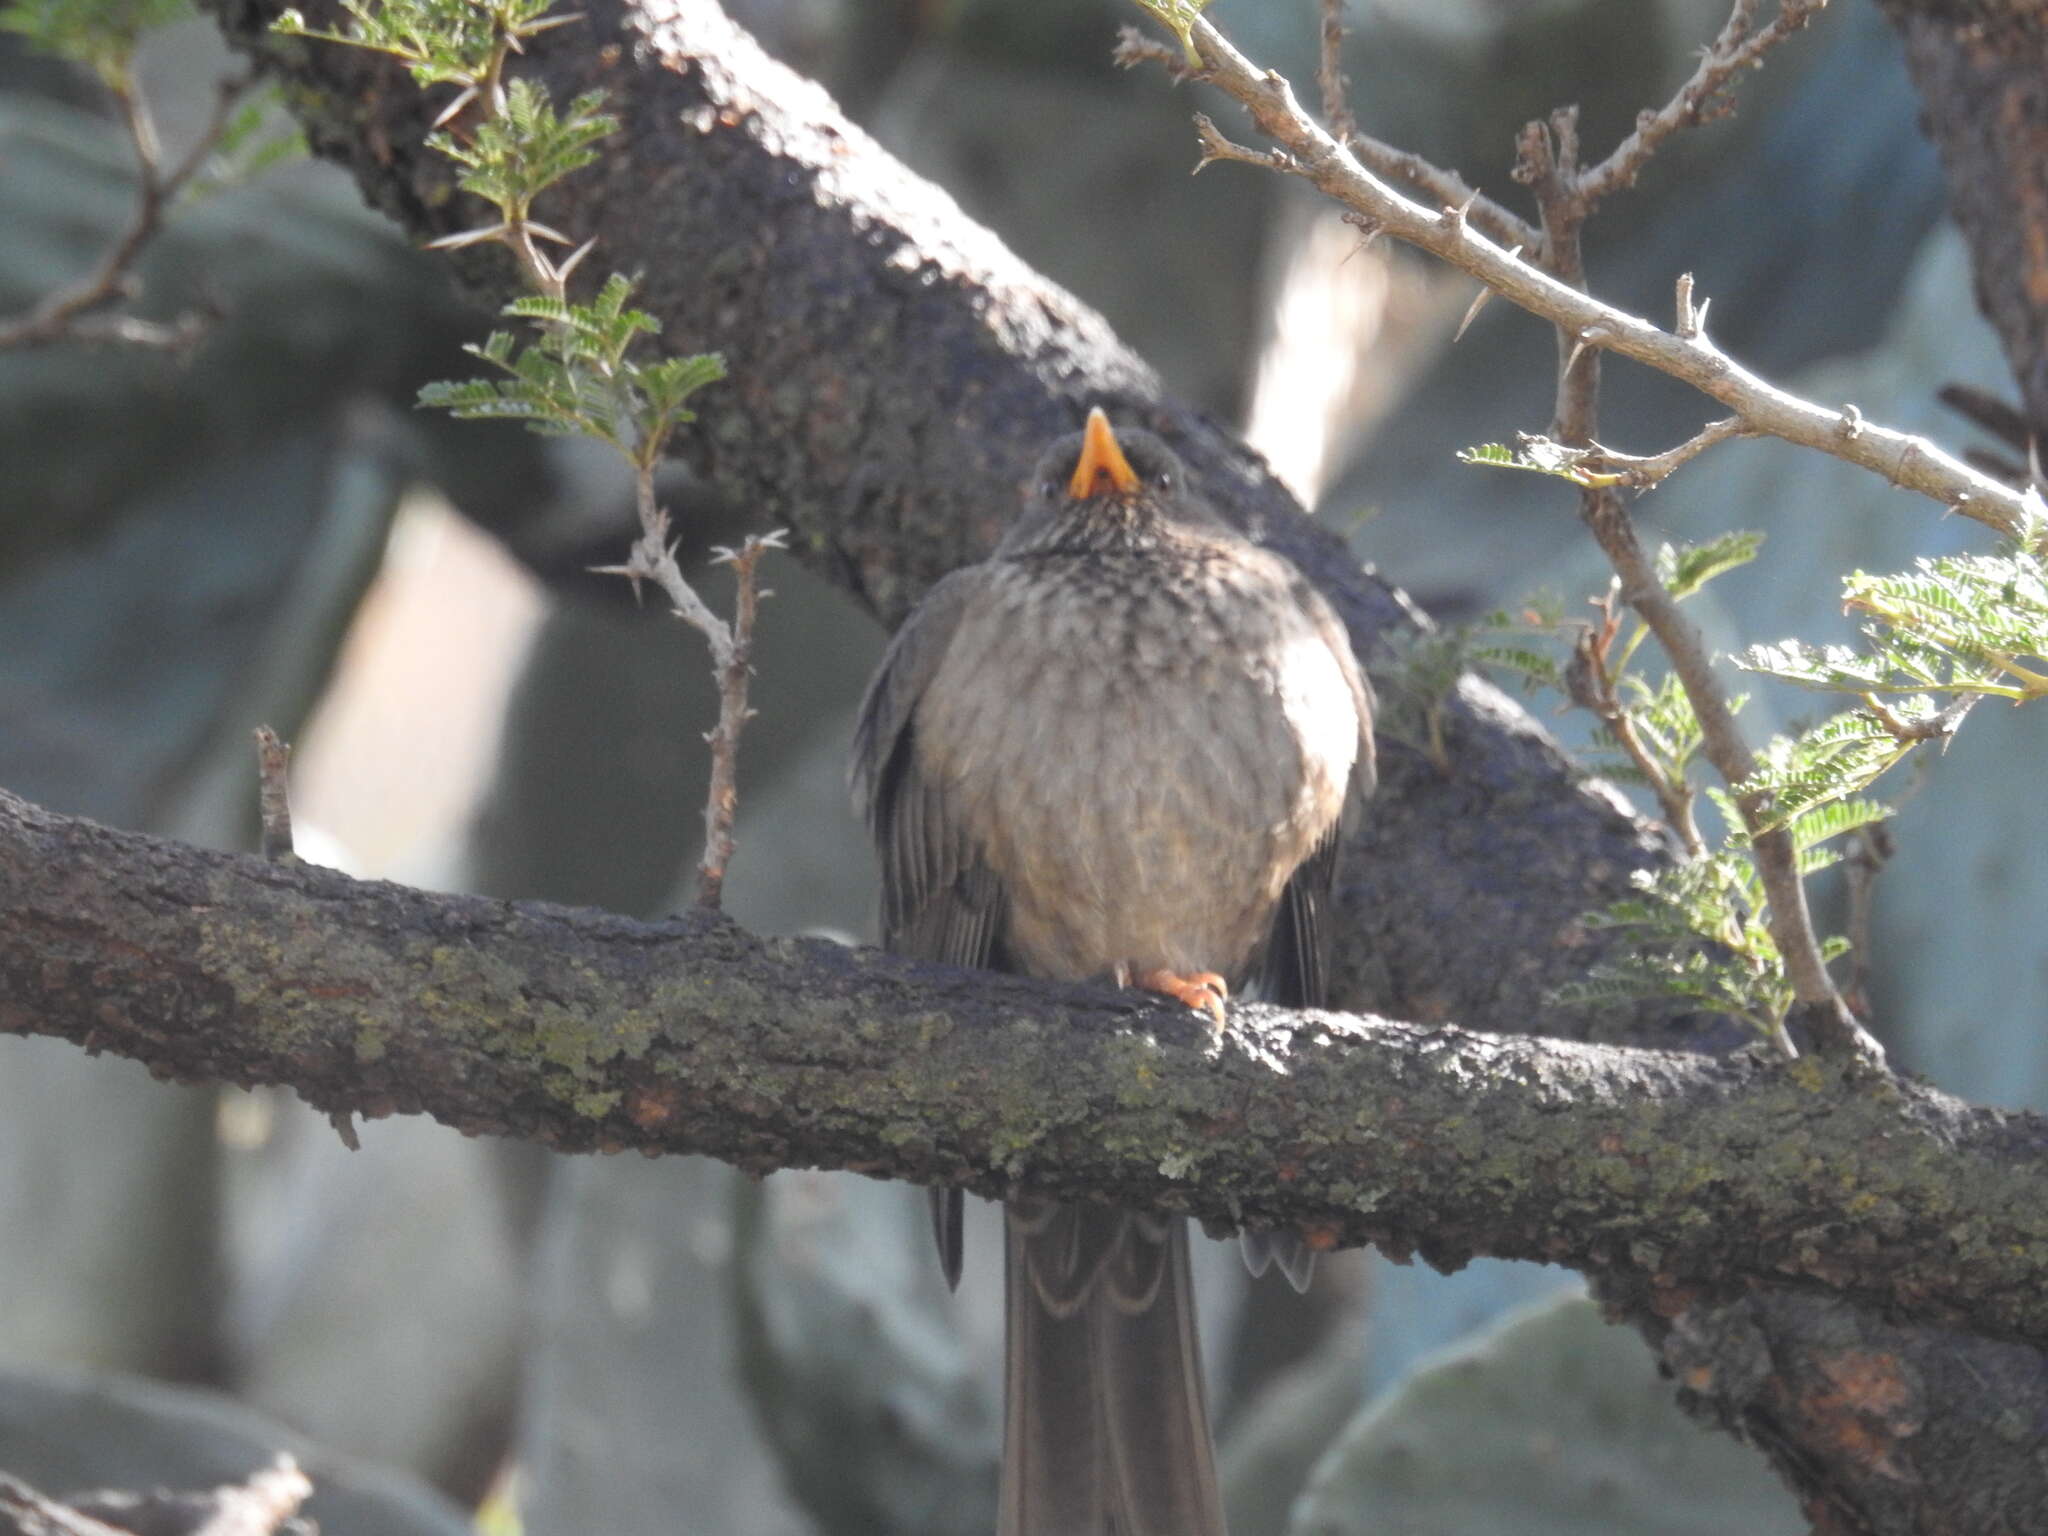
(1463, 233)
(73, 313)
(1640, 472)
(721, 804)
(1548, 163)
(652, 557)
(1740, 46)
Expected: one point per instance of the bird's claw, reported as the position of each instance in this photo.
(1204, 991)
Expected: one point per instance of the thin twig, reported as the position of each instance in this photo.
(1216, 147)
(734, 673)
(1700, 99)
(653, 559)
(1640, 472)
(1591, 685)
(1313, 155)
(1870, 849)
(273, 793)
(1330, 75)
(1442, 187)
(68, 313)
(1939, 726)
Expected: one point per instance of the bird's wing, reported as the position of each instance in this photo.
(940, 900)
(1297, 966)
(1296, 972)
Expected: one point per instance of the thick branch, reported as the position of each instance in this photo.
(580, 1030)
(1981, 68)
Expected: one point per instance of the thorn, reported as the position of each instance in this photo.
(575, 259)
(1578, 347)
(1472, 313)
(454, 108)
(468, 237)
(1688, 324)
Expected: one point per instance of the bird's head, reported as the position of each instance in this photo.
(1099, 482)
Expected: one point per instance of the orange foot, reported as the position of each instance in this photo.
(1204, 991)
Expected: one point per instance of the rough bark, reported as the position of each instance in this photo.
(1692, 1174)
(1982, 73)
(1798, 1242)
(895, 372)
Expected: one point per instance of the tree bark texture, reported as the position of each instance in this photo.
(583, 1031)
(1846, 1267)
(1982, 73)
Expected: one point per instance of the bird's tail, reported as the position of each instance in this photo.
(1106, 1428)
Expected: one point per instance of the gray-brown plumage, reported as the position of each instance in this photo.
(1120, 748)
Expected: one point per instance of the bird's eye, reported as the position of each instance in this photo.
(1163, 480)
(1049, 488)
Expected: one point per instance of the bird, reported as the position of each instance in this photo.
(1124, 748)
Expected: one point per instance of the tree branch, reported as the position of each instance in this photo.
(1981, 69)
(71, 313)
(581, 1030)
(1740, 45)
(1448, 233)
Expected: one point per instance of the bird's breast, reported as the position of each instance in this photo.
(1143, 752)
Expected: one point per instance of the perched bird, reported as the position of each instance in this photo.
(1119, 748)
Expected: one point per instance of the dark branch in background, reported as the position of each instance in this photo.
(1870, 849)
(75, 313)
(1686, 1173)
(1981, 68)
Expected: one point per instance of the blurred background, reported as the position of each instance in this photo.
(267, 532)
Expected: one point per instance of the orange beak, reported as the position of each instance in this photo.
(1103, 469)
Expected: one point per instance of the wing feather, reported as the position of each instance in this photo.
(940, 900)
